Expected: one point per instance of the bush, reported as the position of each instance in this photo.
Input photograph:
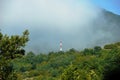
(110, 46)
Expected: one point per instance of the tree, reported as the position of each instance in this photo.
(87, 51)
(110, 46)
(10, 48)
(71, 73)
(97, 50)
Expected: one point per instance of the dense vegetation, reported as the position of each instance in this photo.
(11, 47)
(89, 64)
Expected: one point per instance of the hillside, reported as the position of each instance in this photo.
(106, 27)
(113, 22)
(97, 63)
(89, 64)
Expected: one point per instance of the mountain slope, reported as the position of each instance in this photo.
(108, 26)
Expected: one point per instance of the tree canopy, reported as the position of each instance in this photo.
(88, 64)
(11, 47)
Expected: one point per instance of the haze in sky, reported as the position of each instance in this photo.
(50, 21)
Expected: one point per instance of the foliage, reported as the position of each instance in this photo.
(11, 47)
(89, 64)
(110, 46)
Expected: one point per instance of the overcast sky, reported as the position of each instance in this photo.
(50, 21)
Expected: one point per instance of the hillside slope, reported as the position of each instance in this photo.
(107, 28)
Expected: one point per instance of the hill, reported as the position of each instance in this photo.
(106, 28)
(89, 64)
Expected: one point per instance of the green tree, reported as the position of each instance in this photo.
(71, 73)
(11, 47)
(97, 50)
(87, 51)
(110, 46)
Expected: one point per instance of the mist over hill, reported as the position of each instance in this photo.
(79, 24)
(103, 29)
(108, 27)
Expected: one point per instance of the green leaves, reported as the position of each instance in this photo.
(11, 47)
(89, 64)
(14, 44)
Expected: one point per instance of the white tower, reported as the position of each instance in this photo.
(60, 45)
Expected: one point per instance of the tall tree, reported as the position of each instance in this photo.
(10, 48)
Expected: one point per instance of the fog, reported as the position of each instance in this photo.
(50, 21)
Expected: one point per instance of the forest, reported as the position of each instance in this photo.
(97, 63)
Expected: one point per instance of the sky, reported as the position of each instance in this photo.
(50, 21)
(110, 5)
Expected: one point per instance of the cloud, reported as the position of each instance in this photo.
(50, 12)
(50, 21)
